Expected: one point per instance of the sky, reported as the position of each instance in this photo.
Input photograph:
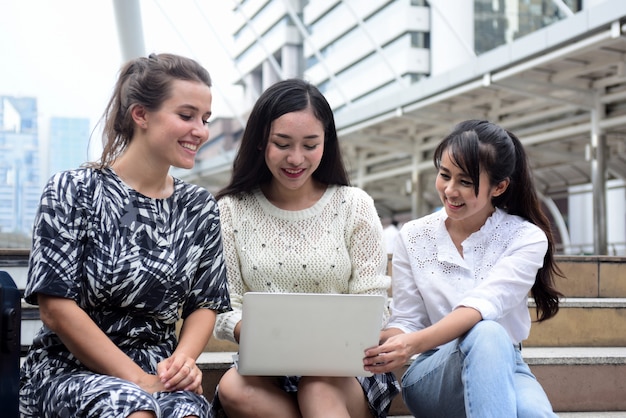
(67, 53)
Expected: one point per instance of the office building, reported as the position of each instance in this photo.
(68, 145)
(20, 186)
(399, 74)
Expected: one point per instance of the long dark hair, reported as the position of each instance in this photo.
(145, 82)
(292, 95)
(477, 145)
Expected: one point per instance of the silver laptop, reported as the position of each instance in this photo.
(303, 334)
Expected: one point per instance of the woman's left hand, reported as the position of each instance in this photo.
(180, 372)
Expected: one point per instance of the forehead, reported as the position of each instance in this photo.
(302, 120)
(190, 93)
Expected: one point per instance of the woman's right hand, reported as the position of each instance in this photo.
(151, 383)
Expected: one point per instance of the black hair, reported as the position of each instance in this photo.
(476, 145)
(291, 95)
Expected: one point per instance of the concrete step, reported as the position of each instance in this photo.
(592, 276)
(593, 322)
(576, 379)
(576, 325)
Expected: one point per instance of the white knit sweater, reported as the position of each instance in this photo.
(334, 246)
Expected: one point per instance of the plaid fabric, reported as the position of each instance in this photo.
(379, 389)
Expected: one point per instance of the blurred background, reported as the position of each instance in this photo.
(398, 74)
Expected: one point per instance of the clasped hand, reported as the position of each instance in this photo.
(178, 372)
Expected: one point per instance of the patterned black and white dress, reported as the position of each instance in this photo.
(135, 265)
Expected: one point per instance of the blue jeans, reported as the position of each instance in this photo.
(479, 375)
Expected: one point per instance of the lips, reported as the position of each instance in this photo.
(455, 205)
(189, 146)
(291, 172)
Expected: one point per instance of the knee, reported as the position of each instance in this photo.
(318, 386)
(230, 388)
(488, 333)
(236, 392)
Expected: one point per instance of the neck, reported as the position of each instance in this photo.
(298, 199)
(144, 177)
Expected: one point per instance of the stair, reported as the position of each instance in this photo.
(579, 356)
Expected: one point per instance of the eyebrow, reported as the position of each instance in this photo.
(286, 136)
(194, 108)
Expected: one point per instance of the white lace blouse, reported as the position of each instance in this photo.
(494, 276)
(335, 246)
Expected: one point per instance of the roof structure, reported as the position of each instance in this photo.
(561, 89)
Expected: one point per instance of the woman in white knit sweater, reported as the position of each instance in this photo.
(291, 223)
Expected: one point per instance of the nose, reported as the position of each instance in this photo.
(295, 157)
(201, 131)
(451, 189)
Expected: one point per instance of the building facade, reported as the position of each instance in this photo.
(400, 73)
(67, 144)
(20, 186)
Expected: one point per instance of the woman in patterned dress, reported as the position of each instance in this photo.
(461, 279)
(293, 224)
(117, 260)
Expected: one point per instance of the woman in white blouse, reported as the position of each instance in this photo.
(461, 279)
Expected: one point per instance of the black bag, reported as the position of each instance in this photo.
(10, 329)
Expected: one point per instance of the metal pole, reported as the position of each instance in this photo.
(129, 28)
(598, 179)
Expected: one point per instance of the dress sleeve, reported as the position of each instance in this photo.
(226, 322)
(59, 238)
(210, 288)
(366, 248)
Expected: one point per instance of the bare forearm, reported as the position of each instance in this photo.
(452, 326)
(195, 332)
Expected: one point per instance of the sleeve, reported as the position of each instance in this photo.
(210, 289)
(226, 322)
(511, 278)
(366, 248)
(408, 310)
(59, 238)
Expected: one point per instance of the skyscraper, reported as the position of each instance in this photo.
(69, 143)
(20, 186)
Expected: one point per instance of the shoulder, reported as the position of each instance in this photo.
(353, 195)
(75, 176)
(516, 227)
(431, 221)
(231, 202)
(75, 183)
(502, 217)
(193, 193)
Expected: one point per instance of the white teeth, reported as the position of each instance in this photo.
(292, 171)
(189, 146)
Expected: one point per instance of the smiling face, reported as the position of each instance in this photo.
(179, 127)
(294, 150)
(457, 193)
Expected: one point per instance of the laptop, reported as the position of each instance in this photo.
(304, 334)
